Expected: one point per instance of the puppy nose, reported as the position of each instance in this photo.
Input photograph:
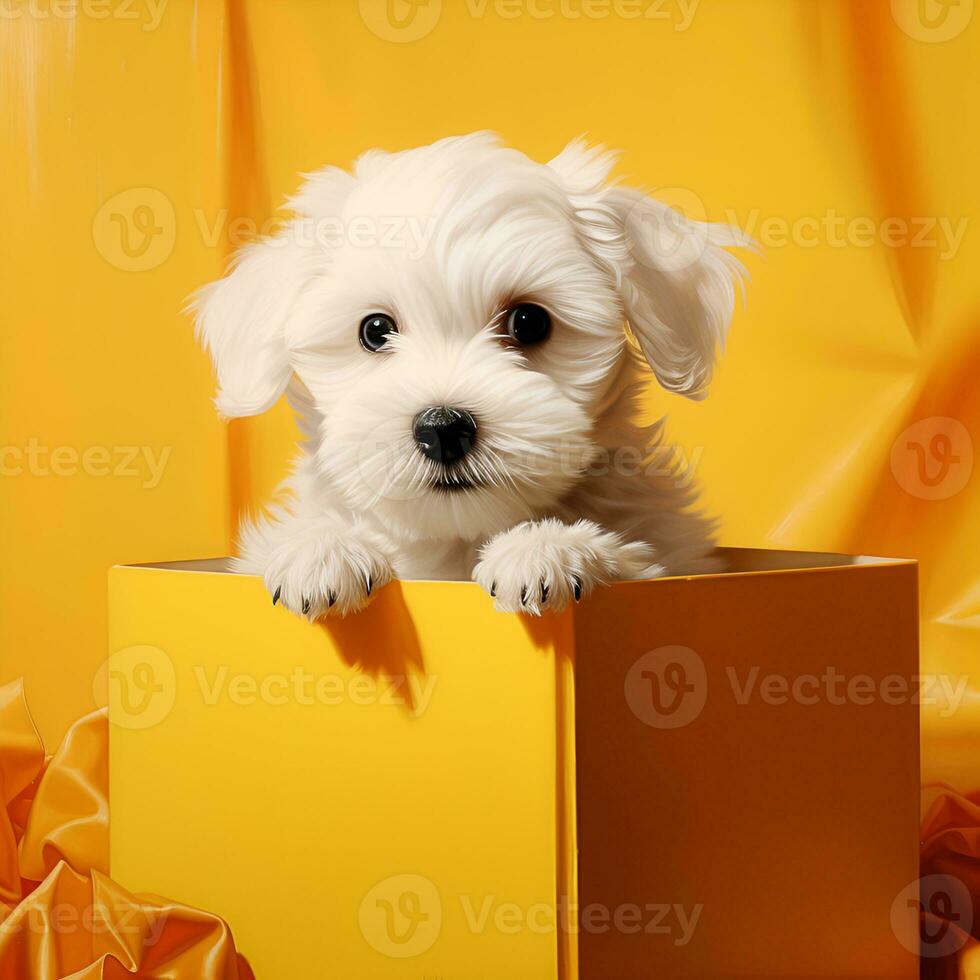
(444, 434)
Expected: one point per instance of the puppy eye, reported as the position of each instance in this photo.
(529, 323)
(375, 330)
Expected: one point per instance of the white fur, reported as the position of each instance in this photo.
(444, 238)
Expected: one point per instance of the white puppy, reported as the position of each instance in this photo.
(462, 333)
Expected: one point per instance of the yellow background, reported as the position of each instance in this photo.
(757, 111)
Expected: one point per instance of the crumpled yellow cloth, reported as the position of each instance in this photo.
(950, 846)
(61, 916)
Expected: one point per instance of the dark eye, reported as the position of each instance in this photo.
(375, 330)
(529, 323)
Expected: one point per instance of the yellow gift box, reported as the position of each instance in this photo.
(706, 776)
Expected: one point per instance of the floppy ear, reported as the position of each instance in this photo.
(676, 280)
(678, 288)
(241, 320)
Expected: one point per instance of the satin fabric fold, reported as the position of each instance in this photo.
(950, 846)
(61, 916)
(21, 763)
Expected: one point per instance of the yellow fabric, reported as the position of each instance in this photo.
(94, 357)
(807, 122)
(60, 915)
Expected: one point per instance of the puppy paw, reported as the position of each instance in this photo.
(326, 573)
(542, 565)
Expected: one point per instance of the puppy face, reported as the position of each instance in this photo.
(452, 321)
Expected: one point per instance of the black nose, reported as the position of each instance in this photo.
(444, 434)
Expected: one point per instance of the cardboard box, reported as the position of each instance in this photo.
(709, 776)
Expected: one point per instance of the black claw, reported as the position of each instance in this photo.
(523, 595)
(306, 606)
(370, 585)
(493, 589)
(576, 589)
(544, 592)
(275, 597)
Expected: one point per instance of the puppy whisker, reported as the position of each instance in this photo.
(496, 470)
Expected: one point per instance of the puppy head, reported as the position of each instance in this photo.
(451, 320)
